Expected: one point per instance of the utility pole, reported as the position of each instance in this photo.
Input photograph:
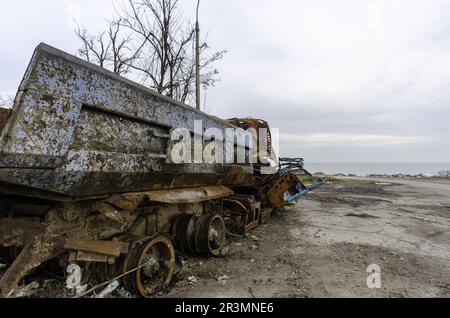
(197, 60)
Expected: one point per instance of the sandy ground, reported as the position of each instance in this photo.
(322, 246)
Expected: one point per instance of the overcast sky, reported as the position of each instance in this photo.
(345, 81)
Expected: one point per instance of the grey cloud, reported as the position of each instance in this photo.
(346, 70)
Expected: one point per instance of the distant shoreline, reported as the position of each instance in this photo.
(380, 169)
(386, 176)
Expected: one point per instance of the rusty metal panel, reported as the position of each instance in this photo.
(279, 188)
(130, 201)
(192, 195)
(110, 248)
(82, 256)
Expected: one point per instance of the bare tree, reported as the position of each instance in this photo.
(444, 173)
(6, 101)
(111, 49)
(185, 87)
(159, 49)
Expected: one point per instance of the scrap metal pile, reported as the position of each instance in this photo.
(87, 178)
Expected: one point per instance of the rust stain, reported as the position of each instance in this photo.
(110, 248)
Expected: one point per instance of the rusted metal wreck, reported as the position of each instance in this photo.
(86, 177)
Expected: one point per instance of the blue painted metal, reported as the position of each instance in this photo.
(296, 165)
(302, 192)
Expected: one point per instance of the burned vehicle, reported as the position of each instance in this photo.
(87, 177)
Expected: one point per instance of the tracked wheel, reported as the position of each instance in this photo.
(204, 234)
(212, 235)
(156, 259)
(192, 233)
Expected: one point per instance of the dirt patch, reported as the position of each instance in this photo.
(322, 248)
(357, 194)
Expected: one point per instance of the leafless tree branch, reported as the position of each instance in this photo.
(151, 39)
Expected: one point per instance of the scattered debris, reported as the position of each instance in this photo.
(26, 290)
(108, 290)
(193, 280)
(223, 280)
(224, 251)
(122, 292)
(79, 290)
